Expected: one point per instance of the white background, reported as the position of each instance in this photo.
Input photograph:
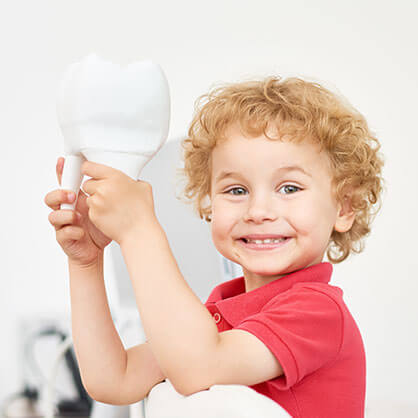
(365, 49)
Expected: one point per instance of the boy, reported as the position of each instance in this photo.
(288, 172)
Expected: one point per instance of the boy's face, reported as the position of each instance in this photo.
(266, 198)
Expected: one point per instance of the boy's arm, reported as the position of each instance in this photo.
(108, 372)
(142, 367)
(179, 328)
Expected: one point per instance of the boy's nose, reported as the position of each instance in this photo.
(259, 210)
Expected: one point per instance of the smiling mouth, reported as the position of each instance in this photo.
(267, 244)
(264, 241)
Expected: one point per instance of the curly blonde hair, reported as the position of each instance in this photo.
(300, 109)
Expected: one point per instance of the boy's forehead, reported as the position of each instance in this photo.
(235, 151)
(237, 146)
(234, 132)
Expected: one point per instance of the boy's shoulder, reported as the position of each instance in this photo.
(308, 293)
(329, 290)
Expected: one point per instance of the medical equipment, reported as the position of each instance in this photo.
(39, 387)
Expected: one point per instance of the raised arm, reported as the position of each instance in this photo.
(109, 373)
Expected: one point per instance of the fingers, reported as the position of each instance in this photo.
(69, 233)
(64, 221)
(60, 218)
(55, 198)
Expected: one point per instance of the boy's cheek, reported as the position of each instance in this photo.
(224, 217)
(223, 226)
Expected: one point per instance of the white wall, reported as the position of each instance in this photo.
(367, 49)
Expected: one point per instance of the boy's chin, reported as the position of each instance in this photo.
(267, 272)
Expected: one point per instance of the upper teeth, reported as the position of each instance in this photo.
(265, 241)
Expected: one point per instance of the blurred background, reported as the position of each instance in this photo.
(366, 50)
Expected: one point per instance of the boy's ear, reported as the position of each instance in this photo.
(345, 216)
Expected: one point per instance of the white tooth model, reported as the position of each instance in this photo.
(111, 115)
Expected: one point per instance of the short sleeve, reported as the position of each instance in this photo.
(302, 327)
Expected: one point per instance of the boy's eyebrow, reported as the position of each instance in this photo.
(224, 174)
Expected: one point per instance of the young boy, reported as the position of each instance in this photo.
(284, 171)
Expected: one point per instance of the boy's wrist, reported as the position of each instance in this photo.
(148, 232)
(93, 265)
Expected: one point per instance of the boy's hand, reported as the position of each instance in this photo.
(79, 238)
(118, 205)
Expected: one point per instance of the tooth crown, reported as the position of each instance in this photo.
(265, 241)
(103, 106)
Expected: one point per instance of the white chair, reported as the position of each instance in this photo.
(219, 401)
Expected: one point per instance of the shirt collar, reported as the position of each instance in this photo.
(235, 304)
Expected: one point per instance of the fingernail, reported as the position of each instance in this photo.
(71, 196)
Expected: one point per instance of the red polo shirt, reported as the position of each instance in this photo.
(307, 326)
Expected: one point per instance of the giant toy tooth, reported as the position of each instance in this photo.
(111, 115)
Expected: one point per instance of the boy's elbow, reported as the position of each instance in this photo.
(113, 395)
(95, 394)
(114, 398)
(192, 383)
(90, 389)
(111, 401)
(93, 391)
(182, 389)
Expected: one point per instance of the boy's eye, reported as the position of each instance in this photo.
(235, 188)
(290, 189)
